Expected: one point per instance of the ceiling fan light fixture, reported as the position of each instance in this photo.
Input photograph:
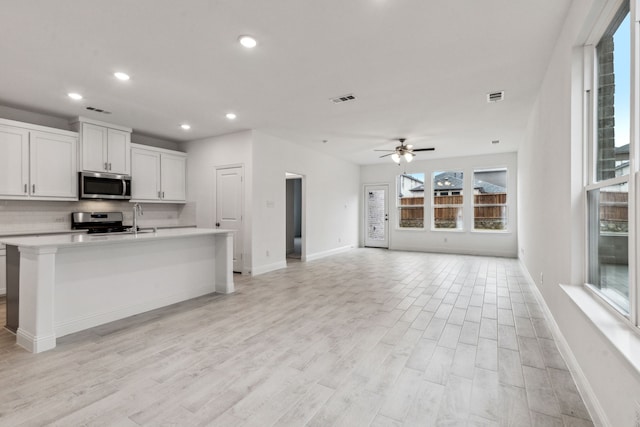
(395, 157)
(408, 156)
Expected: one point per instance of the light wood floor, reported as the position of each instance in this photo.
(370, 337)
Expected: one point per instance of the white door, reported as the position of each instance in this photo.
(118, 151)
(94, 148)
(14, 161)
(53, 165)
(145, 174)
(173, 177)
(229, 191)
(376, 210)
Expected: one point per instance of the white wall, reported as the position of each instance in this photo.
(464, 242)
(204, 156)
(551, 209)
(330, 201)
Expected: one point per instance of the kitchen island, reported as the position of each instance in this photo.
(68, 283)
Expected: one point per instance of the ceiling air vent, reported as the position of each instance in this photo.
(343, 98)
(495, 96)
(98, 110)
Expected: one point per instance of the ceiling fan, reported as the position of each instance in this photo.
(403, 150)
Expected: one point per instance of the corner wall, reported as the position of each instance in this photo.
(552, 240)
(204, 156)
(330, 201)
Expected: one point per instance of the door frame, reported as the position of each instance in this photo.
(303, 214)
(245, 252)
(364, 214)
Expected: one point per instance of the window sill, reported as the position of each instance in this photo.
(622, 335)
(491, 231)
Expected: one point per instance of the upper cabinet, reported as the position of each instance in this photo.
(37, 163)
(158, 175)
(104, 147)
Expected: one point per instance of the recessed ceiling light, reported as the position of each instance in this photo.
(121, 76)
(75, 96)
(247, 41)
(185, 126)
(231, 116)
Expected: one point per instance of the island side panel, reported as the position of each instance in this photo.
(36, 332)
(224, 263)
(102, 283)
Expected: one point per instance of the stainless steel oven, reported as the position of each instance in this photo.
(95, 185)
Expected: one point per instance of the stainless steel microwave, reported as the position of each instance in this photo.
(95, 185)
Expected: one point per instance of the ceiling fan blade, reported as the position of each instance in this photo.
(424, 149)
(384, 150)
(385, 155)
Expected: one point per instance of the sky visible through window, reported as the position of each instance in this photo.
(622, 67)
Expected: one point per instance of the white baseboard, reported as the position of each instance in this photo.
(324, 254)
(598, 415)
(269, 267)
(35, 344)
(86, 322)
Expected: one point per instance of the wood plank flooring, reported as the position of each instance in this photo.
(367, 338)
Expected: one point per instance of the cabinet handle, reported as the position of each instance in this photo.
(106, 166)
(109, 166)
(159, 195)
(25, 189)
(33, 189)
(163, 194)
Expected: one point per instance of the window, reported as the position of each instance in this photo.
(608, 196)
(411, 200)
(490, 199)
(447, 208)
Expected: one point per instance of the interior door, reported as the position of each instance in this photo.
(229, 214)
(376, 209)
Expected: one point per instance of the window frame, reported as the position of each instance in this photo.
(590, 159)
(461, 206)
(400, 207)
(506, 204)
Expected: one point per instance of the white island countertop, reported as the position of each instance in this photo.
(65, 240)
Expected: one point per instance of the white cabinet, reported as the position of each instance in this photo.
(104, 147)
(37, 163)
(158, 175)
(53, 165)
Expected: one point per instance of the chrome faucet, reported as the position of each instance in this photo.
(137, 210)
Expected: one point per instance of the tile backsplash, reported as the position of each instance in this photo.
(24, 216)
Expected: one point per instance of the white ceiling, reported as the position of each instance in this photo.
(420, 69)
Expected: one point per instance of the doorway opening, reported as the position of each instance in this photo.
(294, 217)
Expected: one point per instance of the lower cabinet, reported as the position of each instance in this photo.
(158, 175)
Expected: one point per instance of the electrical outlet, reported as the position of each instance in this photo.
(60, 219)
(541, 279)
(339, 240)
(445, 240)
(267, 253)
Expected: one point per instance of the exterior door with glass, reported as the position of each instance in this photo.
(376, 210)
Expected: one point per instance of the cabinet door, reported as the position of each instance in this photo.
(173, 177)
(145, 174)
(14, 161)
(119, 149)
(94, 148)
(53, 165)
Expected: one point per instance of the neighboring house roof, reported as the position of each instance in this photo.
(455, 182)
